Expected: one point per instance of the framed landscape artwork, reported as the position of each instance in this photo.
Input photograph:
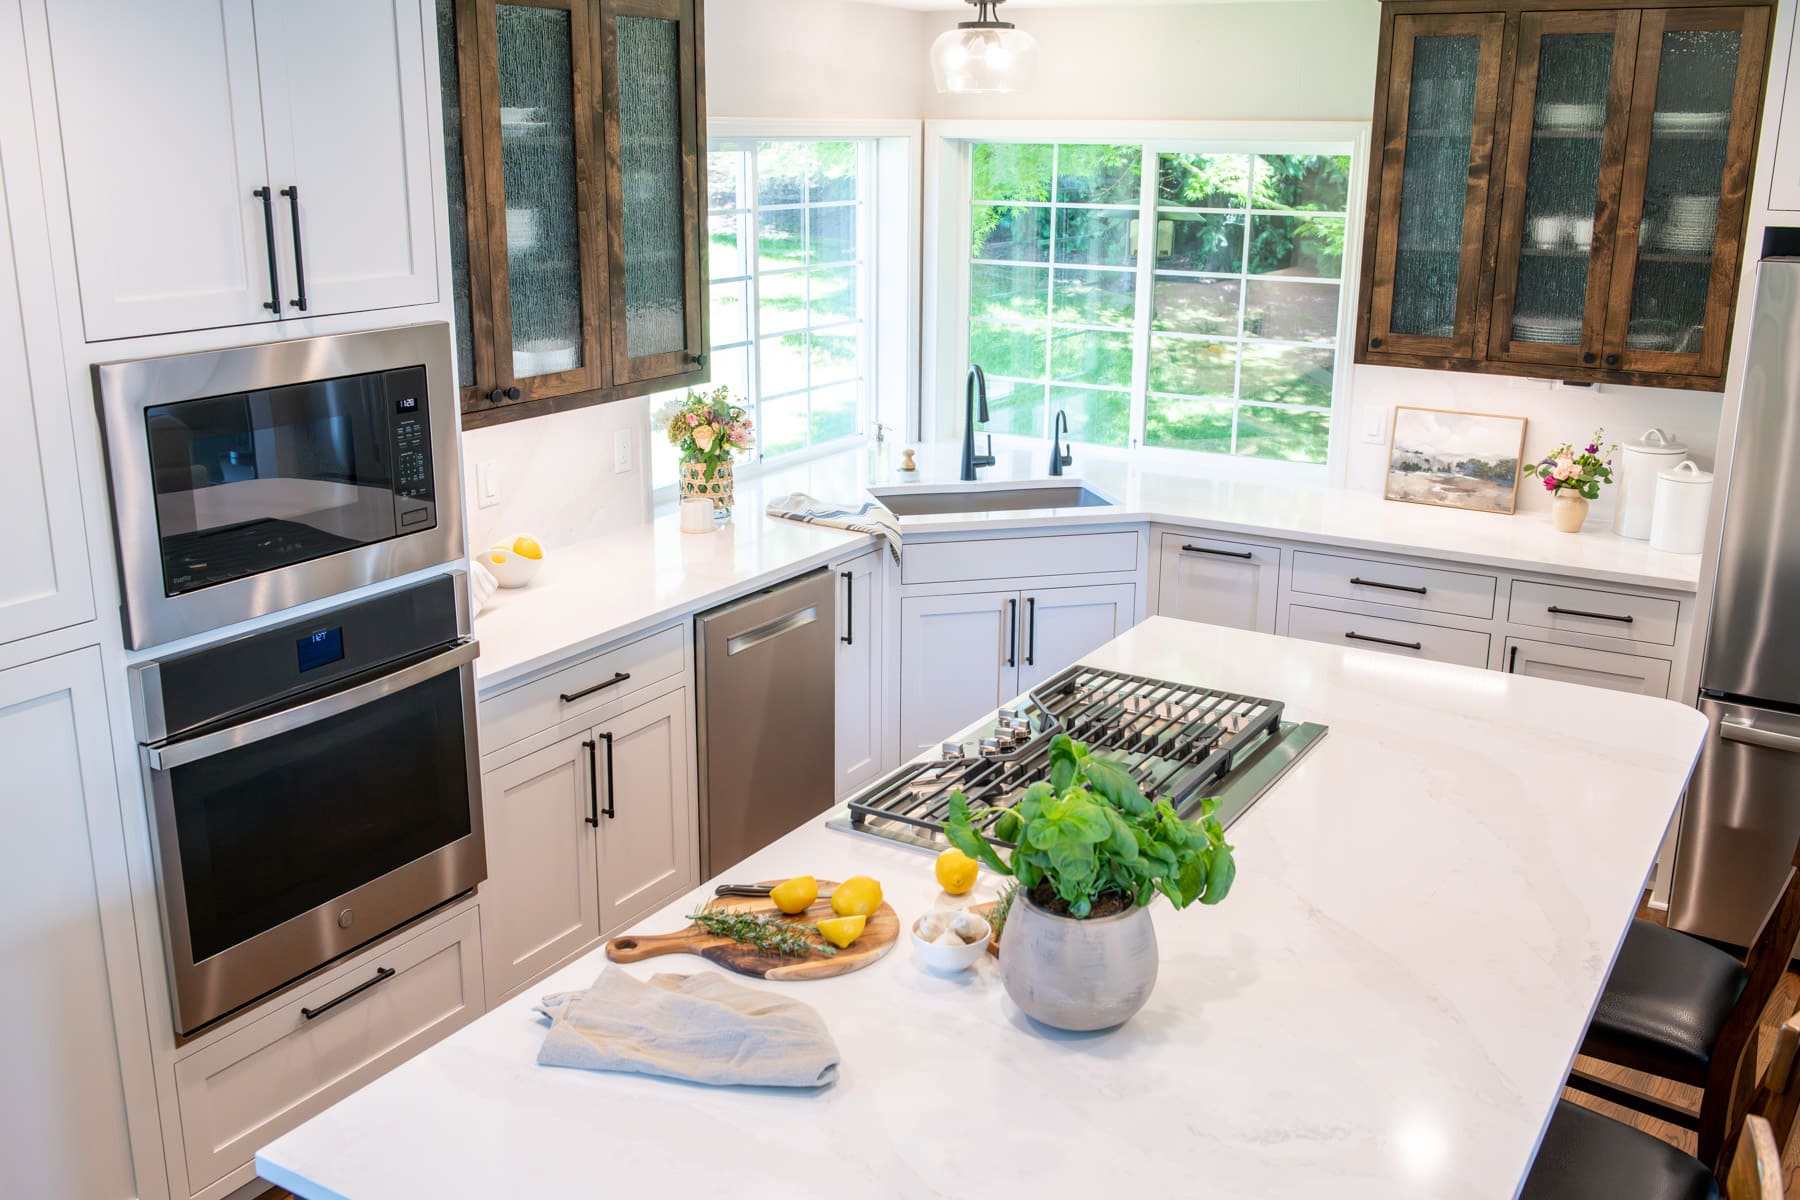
(1455, 460)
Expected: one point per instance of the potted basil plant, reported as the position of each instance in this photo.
(1091, 851)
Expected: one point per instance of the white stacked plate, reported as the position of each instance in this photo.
(1690, 122)
(1548, 330)
(1562, 118)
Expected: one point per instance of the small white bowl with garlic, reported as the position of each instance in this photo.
(949, 941)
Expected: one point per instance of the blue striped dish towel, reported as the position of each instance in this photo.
(868, 517)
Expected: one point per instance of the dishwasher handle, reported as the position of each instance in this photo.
(752, 638)
(1750, 735)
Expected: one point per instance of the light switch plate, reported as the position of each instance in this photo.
(1375, 425)
(621, 451)
(487, 484)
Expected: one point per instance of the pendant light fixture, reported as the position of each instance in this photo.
(983, 55)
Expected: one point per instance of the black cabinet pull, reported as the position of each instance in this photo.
(1379, 641)
(593, 817)
(1594, 616)
(1375, 343)
(572, 697)
(1512, 661)
(608, 812)
(382, 975)
(1219, 553)
(1612, 360)
(1590, 358)
(293, 196)
(1387, 587)
(1012, 633)
(1031, 631)
(268, 202)
(699, 360)
(499, 394)
(849, 638)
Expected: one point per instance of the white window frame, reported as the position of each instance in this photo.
(945, 345)
(888, 255)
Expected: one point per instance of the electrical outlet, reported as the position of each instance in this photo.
(621, 451)
(1375, 425)
(487, 484)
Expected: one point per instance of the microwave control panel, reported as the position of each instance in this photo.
(411, 435)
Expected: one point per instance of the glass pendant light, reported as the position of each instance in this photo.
(983, 55)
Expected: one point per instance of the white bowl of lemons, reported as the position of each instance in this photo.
(513, 563)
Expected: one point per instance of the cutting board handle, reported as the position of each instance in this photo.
(636, 948)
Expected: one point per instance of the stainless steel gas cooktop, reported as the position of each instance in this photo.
(1187, 743)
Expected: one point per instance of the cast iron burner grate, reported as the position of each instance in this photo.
(1177, 740)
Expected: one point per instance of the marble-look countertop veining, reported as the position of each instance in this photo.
(599, 591)
(1385, 1007)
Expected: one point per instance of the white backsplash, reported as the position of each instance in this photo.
(1553, 416)
(556, 477)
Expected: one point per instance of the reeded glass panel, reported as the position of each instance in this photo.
(1685, 177)
(456, 191)
(650, 185)
(537, 152)
(1440, 125)
(1562, 187)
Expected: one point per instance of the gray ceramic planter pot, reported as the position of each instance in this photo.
(1078, 975)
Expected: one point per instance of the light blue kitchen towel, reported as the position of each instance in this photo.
(859, 518)
(698, 1028)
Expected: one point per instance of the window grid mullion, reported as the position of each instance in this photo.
(1148, 237)
(753, 181)
(1237, 382)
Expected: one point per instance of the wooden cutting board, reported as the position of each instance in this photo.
(877, 939)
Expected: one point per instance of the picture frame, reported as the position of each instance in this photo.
(1449, 459)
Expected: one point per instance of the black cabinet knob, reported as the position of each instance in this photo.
(699, 360)
(1375, 343)
(1612, 360)
(1588, 358)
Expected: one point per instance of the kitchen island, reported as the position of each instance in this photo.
(1427, 906)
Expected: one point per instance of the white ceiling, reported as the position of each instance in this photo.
(1015, 5)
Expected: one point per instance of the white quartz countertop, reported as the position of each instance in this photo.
(599, 591)
(1386, 1006)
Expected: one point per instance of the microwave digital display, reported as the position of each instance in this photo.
(321, 648)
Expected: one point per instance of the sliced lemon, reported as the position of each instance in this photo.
(856, 897)
(956, 871)
(795, 895)
(527, 547)
(841, 931)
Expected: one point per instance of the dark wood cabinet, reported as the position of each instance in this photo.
(1561, 191)
(575, 147)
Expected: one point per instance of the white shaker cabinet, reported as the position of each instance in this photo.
(1609, 669)
(540, 904)
(186, 128)
(1062, 624)
(957, 662)
(859, 673)
(1218, 581)
(46, 583)
(648, 835)
(63, 1124)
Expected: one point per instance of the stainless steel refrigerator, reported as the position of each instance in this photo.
(1742, 816)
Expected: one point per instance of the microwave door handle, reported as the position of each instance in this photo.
(175, 754)
(1750, 735)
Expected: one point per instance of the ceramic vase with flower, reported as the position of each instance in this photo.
(708, 428)
(1573, 478)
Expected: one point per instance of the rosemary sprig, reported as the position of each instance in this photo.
(768, 934)
(1002, 906)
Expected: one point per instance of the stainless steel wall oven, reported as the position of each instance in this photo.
(250, 480)
(312, 787)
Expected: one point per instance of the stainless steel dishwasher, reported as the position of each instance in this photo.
(768, 716)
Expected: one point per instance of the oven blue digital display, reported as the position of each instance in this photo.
(318, 649)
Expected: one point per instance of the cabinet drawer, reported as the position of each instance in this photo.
(1413, 639)
(1427, 589)
(1582, 610)
(1020, 557)
(257, 1083)
(540, 705)
(1593, 668)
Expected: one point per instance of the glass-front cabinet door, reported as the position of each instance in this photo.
(1444, 78)
(655, 149)
(1564, 170)
(1687, 175)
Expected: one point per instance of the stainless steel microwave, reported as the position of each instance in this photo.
(249, 480)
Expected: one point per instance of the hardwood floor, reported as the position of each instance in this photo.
(1786, 1003)
(1783, 1005)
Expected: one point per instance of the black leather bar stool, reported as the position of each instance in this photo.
(1682, 1009)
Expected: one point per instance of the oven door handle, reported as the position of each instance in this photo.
(175, 754)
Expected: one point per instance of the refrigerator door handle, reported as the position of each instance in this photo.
(1750, 735)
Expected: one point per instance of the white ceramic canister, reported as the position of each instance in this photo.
(697, 515)
(1683, 499)
(1639, 464)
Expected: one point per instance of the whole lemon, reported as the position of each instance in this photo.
(841, 931)
(956, 871)
(857, 897)
(527, 547)
(794, 895)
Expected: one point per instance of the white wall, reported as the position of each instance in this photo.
(556, 478)
(812, 58)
